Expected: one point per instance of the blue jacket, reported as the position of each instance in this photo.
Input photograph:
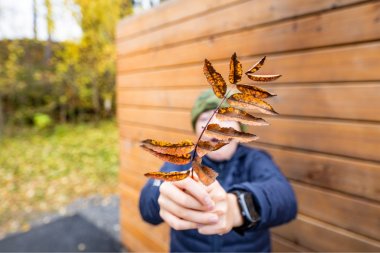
(250, 170)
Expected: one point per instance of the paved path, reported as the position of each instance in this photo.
(86, 225)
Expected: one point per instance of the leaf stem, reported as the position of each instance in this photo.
(208, 122)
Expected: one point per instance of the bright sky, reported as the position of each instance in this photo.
(16, 20)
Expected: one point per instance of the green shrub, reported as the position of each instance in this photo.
(42, 121)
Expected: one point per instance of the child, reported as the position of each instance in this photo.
(232, 214)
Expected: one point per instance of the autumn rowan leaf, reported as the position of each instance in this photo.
(168, 176)
(235, 114)
(256, 66)
(263, 78)
(254, 91)
(176, 159)
(236, 70)
(164, 147)
(205, 147)
(250, 102)
(228, 133)
(206, 175)
(215, 79)
(250, 98)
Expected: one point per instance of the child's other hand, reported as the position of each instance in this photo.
(227, 208)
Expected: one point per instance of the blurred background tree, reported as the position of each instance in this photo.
(69, 81)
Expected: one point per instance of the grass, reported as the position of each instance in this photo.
(42, 171)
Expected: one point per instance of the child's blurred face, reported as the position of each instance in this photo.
(227, 151)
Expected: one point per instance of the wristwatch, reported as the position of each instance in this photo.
(247, 209)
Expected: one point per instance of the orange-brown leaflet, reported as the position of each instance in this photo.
(215, 79)
(164, 147)
(205, 147)
(206, 175)
(250, 102)
(256, 66)
(263, 78)
(236, 70)
(234, 114)
(176, 159)
(227, 133)
(254, 91)
(168, 176)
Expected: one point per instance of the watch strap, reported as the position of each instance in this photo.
(247, 210)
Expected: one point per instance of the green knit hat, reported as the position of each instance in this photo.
(207, 101)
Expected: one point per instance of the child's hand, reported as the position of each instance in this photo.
(185, 204)
(227, 208)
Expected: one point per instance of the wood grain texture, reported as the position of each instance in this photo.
(347, 63)
(320, 236)
(328, 171)
(357, 140)
(326, 140)
(232, 18)
(355, 215)
(343, 26)
(130, 217)
(166, 13)
(281, 245)
(334, 100)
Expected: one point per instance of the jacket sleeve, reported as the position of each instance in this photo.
(273, 195)
(148, 203)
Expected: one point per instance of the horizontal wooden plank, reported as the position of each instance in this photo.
(357, 140)
(348, 63)
(135, 230)
(320, 236)
(129, 164)
(356, 215)
(133, 177)
(343, 101)
(135, 237)
(130, 197)
(348, 25)
(167, 12)
(282, 245)
(173, 97)
(171, 119)
(132, 169)
(138, 238)
(138, 133)
(133, 243)
(340, 174)
(237, 16)
(347, 139)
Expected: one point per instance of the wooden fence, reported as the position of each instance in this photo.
(327, 137)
